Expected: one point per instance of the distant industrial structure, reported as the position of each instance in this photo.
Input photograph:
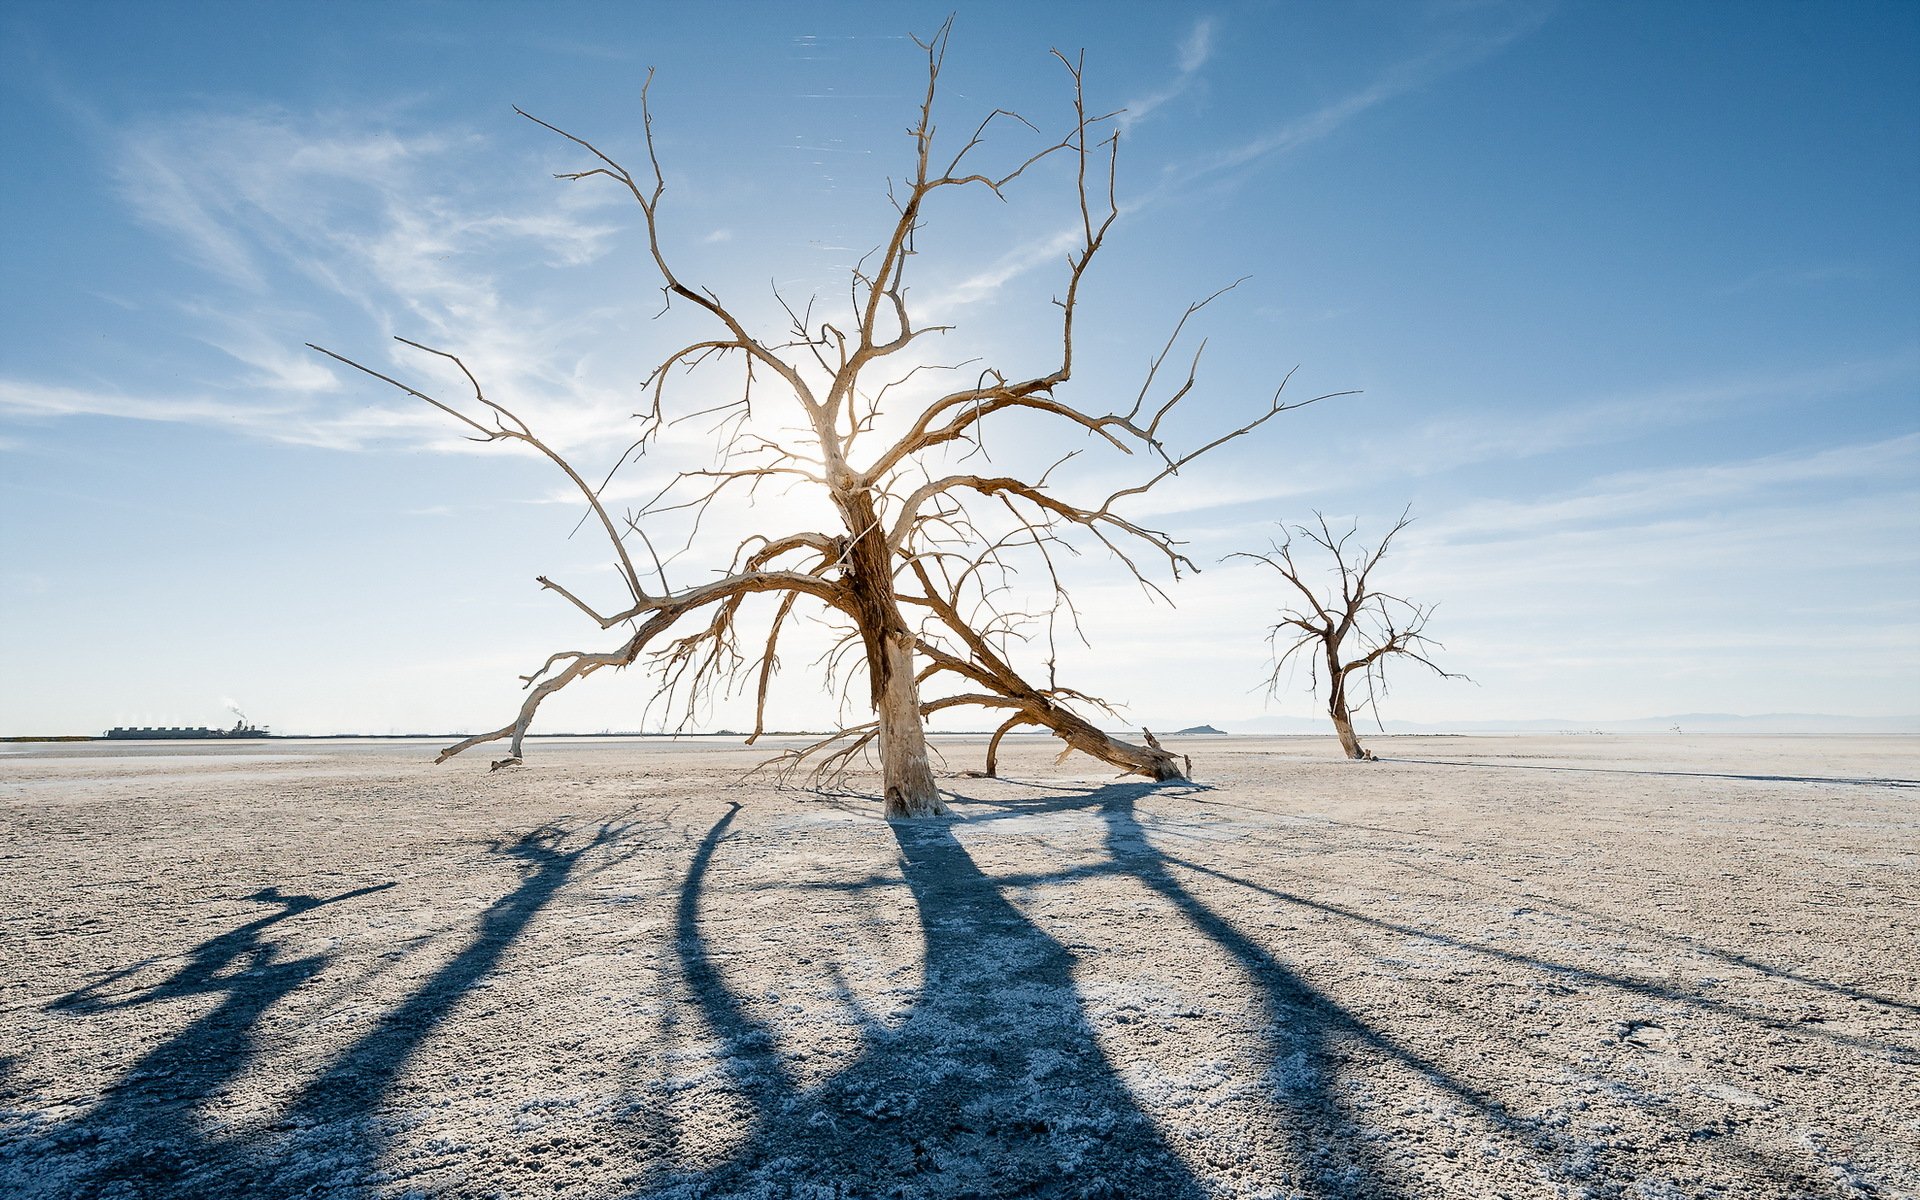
(180, 732)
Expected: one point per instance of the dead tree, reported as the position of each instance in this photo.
(915, 569)
(1349, 631)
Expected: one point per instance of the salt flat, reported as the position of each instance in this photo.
(1667, 966)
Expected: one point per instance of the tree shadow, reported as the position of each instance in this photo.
(999, 995)
(993, 1084)
(1861, 781)
(1312, 1024)
(1311, 1039)
(998, 1062)
(1527, 1133)
(1313, 1044)
(332, 1117)
(1595, 919)
(994, 1081)
(147, 1136)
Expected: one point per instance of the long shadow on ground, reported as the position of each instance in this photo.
(1310, 1035)
(147, 1136)
(1314, 1046)
(1859, 781)
(332, 1116)
(994, 1085)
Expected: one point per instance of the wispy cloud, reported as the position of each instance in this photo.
(1761, 541)
(361, 213)
(286, 420)
(1050, 250)
(1785, 580)
(1795, 278)
(1635, 495)
(1546, 425)
(26, 398)
(1549, 423)
(278, 363)
(1451, 54)
(351, 422)
(1197, 46)
(1190, 55)
(1772, 570)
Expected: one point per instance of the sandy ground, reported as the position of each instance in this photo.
(1513, 967)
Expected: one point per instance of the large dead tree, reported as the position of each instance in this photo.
(1350, 630)
(915, 572)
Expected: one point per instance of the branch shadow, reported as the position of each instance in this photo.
(1314, 1044)
(998, 1060)
(1313, 1029)
(145, 1135)
(1861, 781)
(334, 1113)
(1597, 920)
(994, 1083)
(1594, 918)
(1531, 1134)
(148, 1135)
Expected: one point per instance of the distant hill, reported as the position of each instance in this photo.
(1198, 731)
(1688, 723)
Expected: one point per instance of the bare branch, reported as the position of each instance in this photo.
(512, 428)
(919, 573)
(1351, 631)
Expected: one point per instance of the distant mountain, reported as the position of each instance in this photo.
(1687, 722)
(1198, 731)
(1772, 723)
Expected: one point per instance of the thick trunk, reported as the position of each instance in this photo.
(1343, 724)
(905, 774)
(993, 744)
(1033, 707)
(1152, 760)
(906, 778)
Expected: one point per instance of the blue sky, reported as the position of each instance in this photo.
(1630, 291)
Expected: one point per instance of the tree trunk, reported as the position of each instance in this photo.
(993, 744)
(1343, 723)
(906, 777)
(905, 774)
(1152, 760)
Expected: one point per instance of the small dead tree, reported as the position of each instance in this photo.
(1349, 631)
(915, 572)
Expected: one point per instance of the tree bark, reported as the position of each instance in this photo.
(1343, 722)
(906, 777)
(1343, 725)
(993, 745)
(905, 774)
(1156, 763)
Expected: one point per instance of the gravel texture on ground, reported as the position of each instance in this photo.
(1483, 967)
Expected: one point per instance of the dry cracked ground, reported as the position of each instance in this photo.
(1486, 967)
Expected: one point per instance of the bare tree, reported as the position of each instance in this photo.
(1351, 630)
(916, 572)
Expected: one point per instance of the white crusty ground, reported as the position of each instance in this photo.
(1486, 967)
